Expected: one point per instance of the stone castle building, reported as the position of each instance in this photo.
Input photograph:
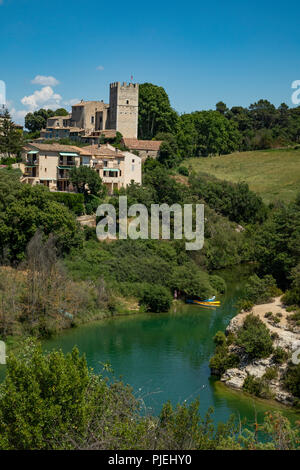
(89, 119)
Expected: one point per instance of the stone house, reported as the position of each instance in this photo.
(144, 148)
(90, 117)
(49, 164)
(116, 168)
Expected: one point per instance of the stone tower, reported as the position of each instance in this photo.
(123, 108)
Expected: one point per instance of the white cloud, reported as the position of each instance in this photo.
(100, 67)
(44, 98)
(45, 81)
(71, 102)
(18, 116)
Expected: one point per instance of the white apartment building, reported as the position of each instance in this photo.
(50, 164)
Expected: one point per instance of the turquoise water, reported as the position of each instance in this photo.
(166, 356)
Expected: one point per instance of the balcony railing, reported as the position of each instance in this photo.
(63, 174)
(62, 162)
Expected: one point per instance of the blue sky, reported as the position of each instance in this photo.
(200, 52)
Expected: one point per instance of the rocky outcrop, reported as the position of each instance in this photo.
(234, 378)
(284, 338)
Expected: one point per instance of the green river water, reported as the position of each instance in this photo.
(166, 356)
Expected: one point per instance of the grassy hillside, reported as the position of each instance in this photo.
(273, 174)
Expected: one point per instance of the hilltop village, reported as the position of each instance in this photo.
(91, 125)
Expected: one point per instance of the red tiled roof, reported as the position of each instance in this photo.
(135, 144)
(103, 150)
(53, 147)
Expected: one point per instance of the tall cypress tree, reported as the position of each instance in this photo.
(11, 139)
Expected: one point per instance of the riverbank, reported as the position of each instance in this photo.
(266, 373)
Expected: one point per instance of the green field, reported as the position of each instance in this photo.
(273, 174)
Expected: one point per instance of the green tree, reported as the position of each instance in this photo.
(42, 399)
(292, 379)
(61, 112)
(24, 209)
(255, 338)
(86, 181)
(155, 112)
(209, 133)
(37, 120)
(156, 299)
(11, 139)
(168, 154)
(221, 107)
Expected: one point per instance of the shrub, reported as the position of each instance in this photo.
(220, 338)
(292, 379)
(91, 203)
(255, 338)
(268, 314)
(271, 373)
(260, 290)
(217, 283)
(295, 317)
(74, 202)
(156, 299)
(234, 200)
(257, 387)
(245, 305)
(222, 361)
(182, 170)
(252, 385)
(280, 355)
(274, 335)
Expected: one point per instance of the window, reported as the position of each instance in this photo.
(105, 163)
(45, 170)
(132, 167)
(127, 101)
(133, 160)
(92, 119)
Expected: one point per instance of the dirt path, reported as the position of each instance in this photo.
(260, 310)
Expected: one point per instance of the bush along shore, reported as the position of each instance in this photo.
(259, 350)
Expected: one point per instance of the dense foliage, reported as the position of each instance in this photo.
(156, 298)
(24, 209)
(37, 120)
(276, 244)
(74, 202)
(235, 201)
(219, 132)
(222, 359)
(258, 291)
(11, 139)
(155, 112)
(204, 133)
(86, 181)
(255, 338)
(292, 379)
(39, 298)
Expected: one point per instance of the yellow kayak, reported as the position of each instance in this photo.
(217, 303)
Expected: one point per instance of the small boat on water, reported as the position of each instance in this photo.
(205, 303)
(210, 300)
